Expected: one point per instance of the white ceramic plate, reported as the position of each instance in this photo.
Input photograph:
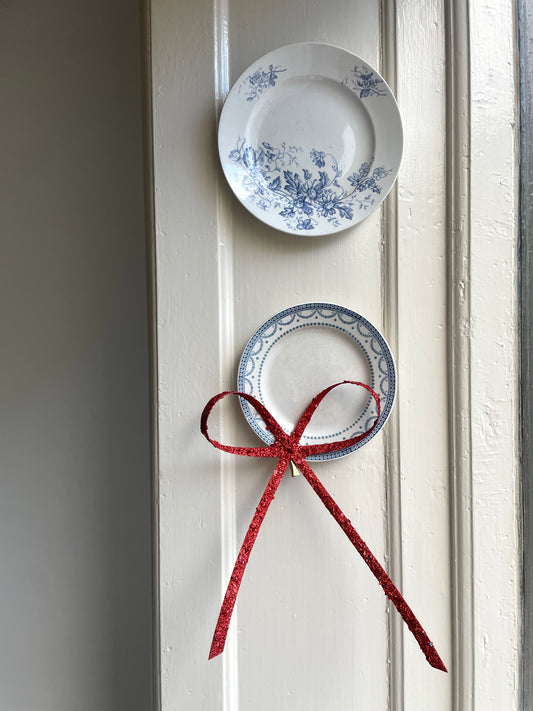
(310, 139)
(304, 349)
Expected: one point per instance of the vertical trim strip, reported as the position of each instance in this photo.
(457, 29)
(389, 291)
(145, 9)
(525, 273)
(226, 343)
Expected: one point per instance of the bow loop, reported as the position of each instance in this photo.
(309, 449)
(268, 451)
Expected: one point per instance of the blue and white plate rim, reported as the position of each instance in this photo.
(250, 351)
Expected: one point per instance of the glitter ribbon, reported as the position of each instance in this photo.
(287, 449)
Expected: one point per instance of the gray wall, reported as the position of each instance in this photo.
(74, 447)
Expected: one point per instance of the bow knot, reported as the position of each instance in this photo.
(293, 449)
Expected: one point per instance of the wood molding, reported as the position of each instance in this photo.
(459, 356)
(526, 341)
(389, 292)
(226, 347)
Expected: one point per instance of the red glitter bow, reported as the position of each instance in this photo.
(287, 448)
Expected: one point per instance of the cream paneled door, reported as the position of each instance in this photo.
(435, 492)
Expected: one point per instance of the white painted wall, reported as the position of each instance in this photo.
(74, 444)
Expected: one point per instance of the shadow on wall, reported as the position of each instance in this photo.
(74, 424)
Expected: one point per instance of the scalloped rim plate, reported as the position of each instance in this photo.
(304, 349)
(310, 139)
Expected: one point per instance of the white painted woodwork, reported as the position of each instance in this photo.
(312, 629)
(422, 343)
(493, 287)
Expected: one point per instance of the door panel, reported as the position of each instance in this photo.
(312, 628)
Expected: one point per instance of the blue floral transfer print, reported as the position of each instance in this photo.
(260, 80)
(364, 81)
(274, 180)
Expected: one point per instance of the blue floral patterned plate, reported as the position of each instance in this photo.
(304, 349)
(310, 139)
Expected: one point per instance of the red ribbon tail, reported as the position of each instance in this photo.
(226, 610)
(391, 591)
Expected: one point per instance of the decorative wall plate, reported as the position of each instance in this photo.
(310, 139)
(306, 348)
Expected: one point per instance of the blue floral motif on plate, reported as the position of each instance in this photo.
(273, 181)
